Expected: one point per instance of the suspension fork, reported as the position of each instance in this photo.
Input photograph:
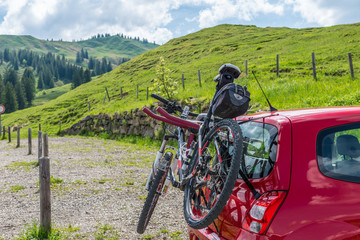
(159, 155)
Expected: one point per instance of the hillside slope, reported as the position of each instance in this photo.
(111, 46)
(206, 50)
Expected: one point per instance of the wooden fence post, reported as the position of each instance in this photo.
(351, 66)
(44, 178)
(4, 132)
(39, 144)
(18, 137)
(9, 132)
(277, 65)
(107, 93)
(39, 126)
(104, 98)
(29, 141)
(246, 68)
(183, 80)
(199, 77)
(313, 65)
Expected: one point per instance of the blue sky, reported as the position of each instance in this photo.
(162, 20)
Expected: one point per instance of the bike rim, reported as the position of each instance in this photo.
(155, 199)
(206, 188)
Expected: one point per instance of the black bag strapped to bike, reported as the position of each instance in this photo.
(231, 101)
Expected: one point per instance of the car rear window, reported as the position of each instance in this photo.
(260, 146)
(338, 152)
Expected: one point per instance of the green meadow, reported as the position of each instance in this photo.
(206, 51)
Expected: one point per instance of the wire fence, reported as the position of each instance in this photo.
(138, 88)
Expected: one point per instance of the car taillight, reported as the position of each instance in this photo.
(262, 211)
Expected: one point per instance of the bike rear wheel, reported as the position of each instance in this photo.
(154, 193)
(208, 191)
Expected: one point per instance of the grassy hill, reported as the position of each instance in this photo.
(206, 51)
(112, 47)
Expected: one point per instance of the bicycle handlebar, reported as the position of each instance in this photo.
(177, 119)
(163, 119)
(172, 105)
(163, 100)
(168, 118)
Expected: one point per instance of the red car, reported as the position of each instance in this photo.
(304, 167)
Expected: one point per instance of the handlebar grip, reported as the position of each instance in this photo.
(167, 102)
(160, 98)
(193, 114)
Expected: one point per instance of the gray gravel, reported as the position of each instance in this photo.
(100, 190)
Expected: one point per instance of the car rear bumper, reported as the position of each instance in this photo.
(208, 234)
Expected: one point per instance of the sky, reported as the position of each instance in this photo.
(161, 20)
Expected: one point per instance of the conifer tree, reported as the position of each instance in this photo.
(98, 67)
(10, 76)
(91, 63)
(2, 91)
(77, 81)
(40, 84)
(109, 67)
(103, 65)
(78, 58)
(11, 103)
(28, 80)
(82, 53)
(87, 76)
(20, 95)
(6, 55)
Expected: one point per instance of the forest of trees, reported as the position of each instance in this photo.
(144, 40)
(97, 67)
(17, 90)
(17, 93)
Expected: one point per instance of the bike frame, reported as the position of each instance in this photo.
(182, 151)
(181, 123)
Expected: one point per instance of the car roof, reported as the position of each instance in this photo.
(311, 114)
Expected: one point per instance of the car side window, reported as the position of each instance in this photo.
(338, 152)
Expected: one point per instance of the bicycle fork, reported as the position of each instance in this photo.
(155, 165)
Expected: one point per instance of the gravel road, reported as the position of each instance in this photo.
(98, 190)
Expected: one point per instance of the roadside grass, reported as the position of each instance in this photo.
(34, 231)
(16, 188)
(25, 165)
(106, 232)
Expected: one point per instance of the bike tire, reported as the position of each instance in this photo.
(153, 195)
(229, 169)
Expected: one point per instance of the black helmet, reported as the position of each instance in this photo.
(230, 68)
(227, 73)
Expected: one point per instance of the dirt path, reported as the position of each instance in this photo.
(98, 191)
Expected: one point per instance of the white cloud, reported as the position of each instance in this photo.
(240, 9)
(160, 20)
(321, 12)
(68, 19)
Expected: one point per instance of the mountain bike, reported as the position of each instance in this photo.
(209, 171)
(164, 170)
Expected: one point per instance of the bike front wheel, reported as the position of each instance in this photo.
(216, 172)
(154, 193)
